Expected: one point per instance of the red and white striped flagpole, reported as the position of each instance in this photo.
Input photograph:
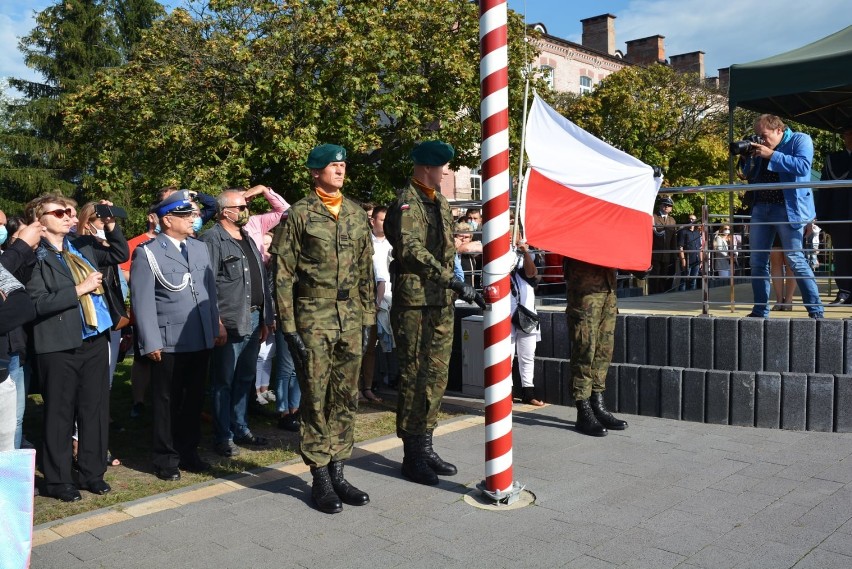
(494, 79)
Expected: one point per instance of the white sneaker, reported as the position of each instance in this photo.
(261, 400)
(269, 394)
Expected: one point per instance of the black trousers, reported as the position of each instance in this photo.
(841, 238)
(75, 385)
(177, 396)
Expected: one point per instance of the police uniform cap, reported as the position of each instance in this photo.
(178, 202)
(432, 153)
(324, 154)
(666, 201)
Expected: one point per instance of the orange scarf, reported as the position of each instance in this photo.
(332, 203)
(430, 192)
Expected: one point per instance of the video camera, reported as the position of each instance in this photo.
(743, 147)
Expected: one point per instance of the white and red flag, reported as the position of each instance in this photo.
(585, 199)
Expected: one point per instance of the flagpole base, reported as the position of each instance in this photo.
(500, 497)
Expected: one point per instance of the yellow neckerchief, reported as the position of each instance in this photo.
(332, 203)
(430, 192)
(80, 269)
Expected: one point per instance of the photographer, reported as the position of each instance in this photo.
(779, 155)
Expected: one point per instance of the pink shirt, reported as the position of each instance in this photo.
(259, 224)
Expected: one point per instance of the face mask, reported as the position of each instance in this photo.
(99, 233)
(157, 228)
(196, 224)
(4, 234)
(242, 218)
(726, 232)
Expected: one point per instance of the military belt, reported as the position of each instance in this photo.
(311, 292)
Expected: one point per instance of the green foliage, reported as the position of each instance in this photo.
(238, 93)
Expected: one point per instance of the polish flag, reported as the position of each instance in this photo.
(585, 199)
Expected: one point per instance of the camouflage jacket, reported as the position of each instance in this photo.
(421, 232)
(586, 278)
(324, 268)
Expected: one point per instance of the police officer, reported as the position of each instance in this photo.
(419, 225)
(325, 290)
(591, 310)
(173, 292)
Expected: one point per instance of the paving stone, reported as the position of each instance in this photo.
(561, 338)
(637, 335)
(611, 393)
(628, 389)
(544, 348)
(743, 387)
(843, 387)
(794, 398)
(820, 402)
(718, 396)
(567, 395)
(658, 340)
(750, 344)
(768, 400)
(803, 331)
(619, 351)
(680, 334)
(701, 347)
(649, 391)
(829, 346)
(671, 392)
(847, 346)
(552, 380)
(726, 343)
(693, 395)
(776, 346)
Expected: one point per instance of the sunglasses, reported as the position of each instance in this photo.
(239, 207)
(60, 213)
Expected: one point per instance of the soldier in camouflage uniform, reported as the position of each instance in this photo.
(420, 228)
(323, 259)
(591, 310)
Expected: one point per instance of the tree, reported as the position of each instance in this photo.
(71, 41)
(238, 94)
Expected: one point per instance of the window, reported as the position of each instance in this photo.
(547, 73)
(585, 85)
(475, 185)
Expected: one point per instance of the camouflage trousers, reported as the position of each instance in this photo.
(329, 395)
(424, 341)
(591, 326)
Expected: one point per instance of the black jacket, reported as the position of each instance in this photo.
(19, 259)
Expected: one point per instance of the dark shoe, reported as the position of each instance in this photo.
(528, 397)
(226, 449)
(194, 464)
(347, 493)
(137, 410)
(168, 474)
(816, 315)
(843, 297)
(754, 315)
(603, 415)
(98, 487)
(587, 423)
(322, 492)
(438, 465)
(414, 465)
(251, 440)
(66, 493)
(289, 422)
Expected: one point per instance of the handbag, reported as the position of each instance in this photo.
(525, 319)
(112, 293)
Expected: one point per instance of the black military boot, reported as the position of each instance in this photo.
(344, 490)
(322, 492)
(438, 465)
(587, 423)
(414, 465)
(603, 415)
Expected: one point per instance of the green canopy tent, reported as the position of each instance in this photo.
(811, 85)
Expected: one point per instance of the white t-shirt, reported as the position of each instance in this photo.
(382, 254)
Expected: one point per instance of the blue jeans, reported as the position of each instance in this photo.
(234, 368)
(689, 278)
(16, 374)
(791, 237)
(288, 394)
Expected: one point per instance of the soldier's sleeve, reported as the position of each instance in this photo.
(285, 250)
(414, 255)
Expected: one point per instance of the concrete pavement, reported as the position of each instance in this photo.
(661, 494)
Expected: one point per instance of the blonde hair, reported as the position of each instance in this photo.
(35, 207)
(85, 216)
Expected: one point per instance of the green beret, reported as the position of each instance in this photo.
(432, 153)
(324, 154)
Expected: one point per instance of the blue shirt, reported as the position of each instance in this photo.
(101, 307)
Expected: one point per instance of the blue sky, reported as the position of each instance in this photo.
(727, 32)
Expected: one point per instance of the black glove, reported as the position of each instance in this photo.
(298, 351)
(467, 293)
(365, 339)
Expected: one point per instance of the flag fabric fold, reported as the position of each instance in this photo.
(583, 198)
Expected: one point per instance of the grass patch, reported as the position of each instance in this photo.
(130, 442)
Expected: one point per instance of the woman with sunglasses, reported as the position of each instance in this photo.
(71, 342)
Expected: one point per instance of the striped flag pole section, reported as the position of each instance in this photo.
(494, 80)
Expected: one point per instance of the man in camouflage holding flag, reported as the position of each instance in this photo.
(419, 225)
(323, 259)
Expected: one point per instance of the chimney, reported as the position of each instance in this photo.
(599, 33)
(646, 51)
(689, 63)
(724, 78)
